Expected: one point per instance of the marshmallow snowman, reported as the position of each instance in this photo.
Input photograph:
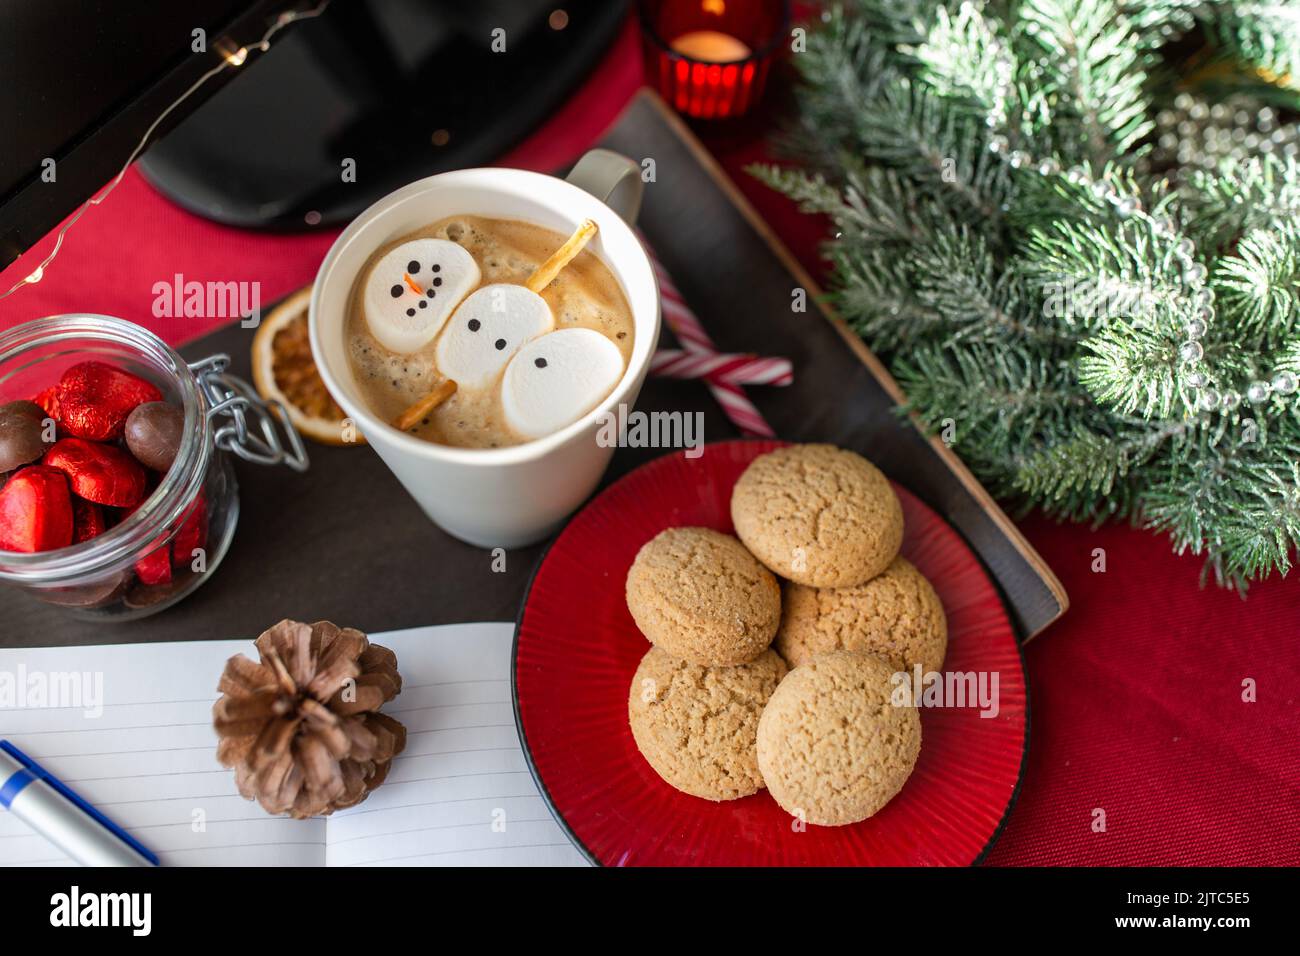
(414, 288)
(556, 379)
(490, 326)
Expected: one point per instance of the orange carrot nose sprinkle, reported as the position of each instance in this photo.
(412, 285)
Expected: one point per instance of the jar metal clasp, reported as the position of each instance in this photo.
(254, 428)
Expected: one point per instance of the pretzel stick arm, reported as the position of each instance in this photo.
(562, 256)
(441, 392)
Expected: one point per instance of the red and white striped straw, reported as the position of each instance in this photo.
(722, 372)
(733, 368)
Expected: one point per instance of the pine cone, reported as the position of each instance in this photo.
(301, 729)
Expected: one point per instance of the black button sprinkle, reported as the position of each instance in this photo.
(436, 267)
(410, 312)
(423, 304)
(437, 282)
(500, 344)
(431, 293)
(412, 267)
(540, 363)
(396, 291)
(474, 325)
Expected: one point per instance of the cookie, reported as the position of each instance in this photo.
(832, 746)
(896, 616)
(697, 726)
(702, 597)
(818, 515)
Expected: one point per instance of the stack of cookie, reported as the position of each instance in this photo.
(716, 711)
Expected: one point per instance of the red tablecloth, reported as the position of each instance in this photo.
(1136, 694)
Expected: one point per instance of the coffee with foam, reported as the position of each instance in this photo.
(487, 330)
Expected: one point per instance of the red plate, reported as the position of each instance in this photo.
(576, 649)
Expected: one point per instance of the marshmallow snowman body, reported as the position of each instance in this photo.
(488, 329)
(412, 290)
(556, 379)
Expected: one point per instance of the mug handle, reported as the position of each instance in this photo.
(613, 179)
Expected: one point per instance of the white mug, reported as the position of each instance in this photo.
(496, 497)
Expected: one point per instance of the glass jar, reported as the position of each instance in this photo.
(195, 506)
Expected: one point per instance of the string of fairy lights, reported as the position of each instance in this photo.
(230, 59)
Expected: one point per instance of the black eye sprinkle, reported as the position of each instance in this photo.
(540, 363)
(423, 304)
(412, 267)
(410, 312)
(500, 344)
(396, 291)
(437, 282)
(436, 267)
(474, 325)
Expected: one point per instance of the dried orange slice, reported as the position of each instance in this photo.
(284, 370)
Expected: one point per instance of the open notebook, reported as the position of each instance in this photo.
(460, 794)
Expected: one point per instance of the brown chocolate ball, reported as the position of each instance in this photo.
(98, 593)
(21, 440)
(153, 434)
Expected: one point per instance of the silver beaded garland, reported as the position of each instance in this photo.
(1257, 392)
(1194, 134)
(1189, 116)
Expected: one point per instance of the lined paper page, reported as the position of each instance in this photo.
(143, 750)
(461, 793)
(148, 759)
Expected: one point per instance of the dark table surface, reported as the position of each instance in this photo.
(344, 541)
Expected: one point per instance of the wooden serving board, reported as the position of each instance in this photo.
(345, 542)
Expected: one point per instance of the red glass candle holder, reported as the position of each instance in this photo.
(710, 58)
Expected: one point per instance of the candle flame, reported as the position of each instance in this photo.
(715, 7)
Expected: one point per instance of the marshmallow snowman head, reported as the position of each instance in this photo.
(556, 379)
(413, 288)
(488, 329)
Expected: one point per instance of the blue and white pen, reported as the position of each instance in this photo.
(56, 812)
